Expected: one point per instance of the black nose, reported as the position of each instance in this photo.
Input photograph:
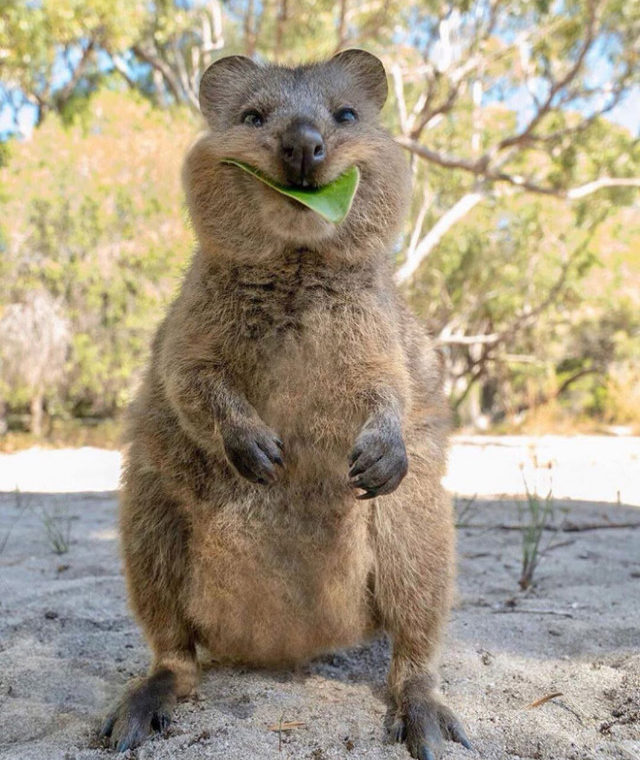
(303, 151)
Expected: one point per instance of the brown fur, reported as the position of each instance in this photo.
(288, 326)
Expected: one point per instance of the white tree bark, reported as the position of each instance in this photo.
(417, 253)
(436, 233)
(599, 184)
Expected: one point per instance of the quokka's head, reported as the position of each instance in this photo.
(303, 127)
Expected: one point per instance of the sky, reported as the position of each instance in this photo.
(625, 114)
(628, 113)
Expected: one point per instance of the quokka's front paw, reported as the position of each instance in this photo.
(378, 460)
(254, 450)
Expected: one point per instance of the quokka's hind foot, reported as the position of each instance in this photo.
(144, 708)
(423, 722)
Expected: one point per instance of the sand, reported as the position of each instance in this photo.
(68, 644)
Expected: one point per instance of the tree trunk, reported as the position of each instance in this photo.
(36, 413)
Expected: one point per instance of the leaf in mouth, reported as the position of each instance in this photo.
(332, 201)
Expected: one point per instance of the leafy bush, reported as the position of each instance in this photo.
(97, 223)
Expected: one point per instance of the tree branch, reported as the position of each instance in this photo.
(468, 340)
(186, 85)
(492, 339)
(398, 89)
(481, 169)
(65, 92)
(250, 35)
(342, 25)
(169, 77)
(599, 184)
(120, 66)
(212, 31)
(436, 233)
(448, 162)
(281, 20)
(417, 227)
(556, 87)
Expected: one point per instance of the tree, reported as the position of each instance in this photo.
(99, 229)
(471, 151)
(544, 59)
(51, 48)
(34, 342)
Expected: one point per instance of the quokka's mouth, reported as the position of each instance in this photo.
(332, 201)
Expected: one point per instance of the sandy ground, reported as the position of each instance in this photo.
(68, 644)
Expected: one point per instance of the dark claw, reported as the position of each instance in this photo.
(160, 722)
(253, 451)
(385, 488)
(424, 753)
(107, 727)
(458, 735)
(129, 741)
(399, 731)
(355, 482)
(378, 461)
(359, 468)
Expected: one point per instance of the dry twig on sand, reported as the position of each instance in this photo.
(284, 726)
(542, 700)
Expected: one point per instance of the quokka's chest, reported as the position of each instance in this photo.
(303, 335)
(300, 297)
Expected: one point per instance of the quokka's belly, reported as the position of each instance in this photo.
(317, 408)
(263, 592)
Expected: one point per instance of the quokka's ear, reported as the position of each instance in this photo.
(368, 72)
(220, 81)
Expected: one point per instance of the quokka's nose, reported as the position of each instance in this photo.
(302, 149)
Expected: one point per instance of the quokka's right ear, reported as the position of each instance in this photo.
(220, 81)
(367, 72)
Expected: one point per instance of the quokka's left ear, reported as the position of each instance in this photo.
(368, 72)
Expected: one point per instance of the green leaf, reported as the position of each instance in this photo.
(332, 201)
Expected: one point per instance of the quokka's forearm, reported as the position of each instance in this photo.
(213, 412)
(387, 396)
(205, 400)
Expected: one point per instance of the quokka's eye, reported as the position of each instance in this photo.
(345, 116)
(253, 118)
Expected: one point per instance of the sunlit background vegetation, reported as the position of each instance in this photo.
(521, 252)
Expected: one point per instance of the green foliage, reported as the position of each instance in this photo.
(543, 276)
(100, 228)
(57, 528)
(535, 516)
(33, 33)
(332, 202)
